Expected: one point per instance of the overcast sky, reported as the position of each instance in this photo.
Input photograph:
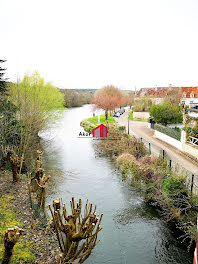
(89, 43)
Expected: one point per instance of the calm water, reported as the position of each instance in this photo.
(133, 233)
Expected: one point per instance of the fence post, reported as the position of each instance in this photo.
(170, 163)
(150, 148)
(163, 154)
(183, 138)
(192, 183)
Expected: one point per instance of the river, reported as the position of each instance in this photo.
(133, 233)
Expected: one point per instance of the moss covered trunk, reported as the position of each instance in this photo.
(8, 252)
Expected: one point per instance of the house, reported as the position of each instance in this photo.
(156, 94)
(189, 96)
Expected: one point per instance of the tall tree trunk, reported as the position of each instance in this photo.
(106, 114)
(14, 172)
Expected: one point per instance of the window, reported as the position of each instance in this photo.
(192, 95)
(184, 94)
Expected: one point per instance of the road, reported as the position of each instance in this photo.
(140, 129)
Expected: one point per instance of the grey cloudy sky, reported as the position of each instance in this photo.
(89, 43)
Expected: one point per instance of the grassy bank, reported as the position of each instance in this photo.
(163, 190)
(102, 119)
(38, 243)
(131, 116)
(92, 122)
(22, 250)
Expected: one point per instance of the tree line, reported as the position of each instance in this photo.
(75, 99)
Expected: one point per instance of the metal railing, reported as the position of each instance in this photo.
(193, 140)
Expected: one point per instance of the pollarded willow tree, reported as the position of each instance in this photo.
(3, 83)
(108, 98)
(37, 102)
(77, 234)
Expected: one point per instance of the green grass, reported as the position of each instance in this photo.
(22, 250)
(102, 119)
(131, 116)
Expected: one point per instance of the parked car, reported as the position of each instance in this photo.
(116, 114)
(121, 111)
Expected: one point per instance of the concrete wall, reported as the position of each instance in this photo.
(193, 114)
(181, 145)
(141, 115)
(172, 141)
(190, 149)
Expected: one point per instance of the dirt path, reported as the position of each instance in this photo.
(140, 129)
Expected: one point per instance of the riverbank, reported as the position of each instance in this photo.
(159, 187)
(165, 191)
(38, 243)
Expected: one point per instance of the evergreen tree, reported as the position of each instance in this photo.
(9, 126)
(3, 83)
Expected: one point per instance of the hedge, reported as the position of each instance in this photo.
(171, 132)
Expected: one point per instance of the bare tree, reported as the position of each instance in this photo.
(108, 98)
(173, 97)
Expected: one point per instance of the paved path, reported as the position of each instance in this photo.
(140, 129)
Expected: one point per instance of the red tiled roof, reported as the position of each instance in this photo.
(162, 91)
(153, 92)
(189, 90)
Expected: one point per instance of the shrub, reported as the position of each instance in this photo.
(142, 105)
(172, 132)
(89, 128)
(173, 185)
(128, 164)
(125, 144)
(121, 128)
(125, 157)
(166, 114)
